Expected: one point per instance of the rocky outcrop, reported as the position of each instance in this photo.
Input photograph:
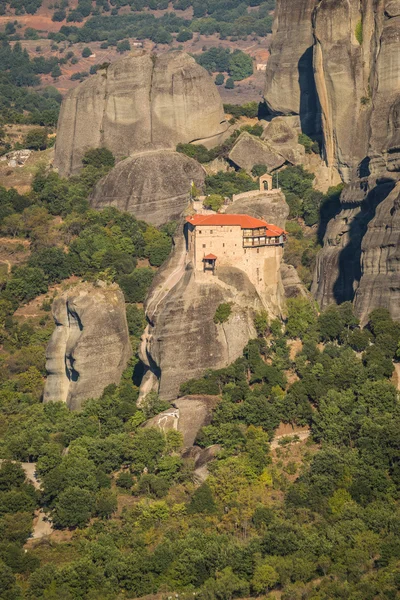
(356, 69)
(282, 135)
(380, 260)
(250, 150)
(153, 186)
(277, 146)
(182, 340)
(187, 415)
(90, 346)
(140, 102)
(290, 86)
(270, 206)
(292, 284)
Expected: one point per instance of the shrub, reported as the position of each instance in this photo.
(99, 157)
(359, 32)
(125, 480)
(36, 139)
(135, 285)
(214, 202)
(259, 170)
(222, 313)
(184, 35)
(123, 46)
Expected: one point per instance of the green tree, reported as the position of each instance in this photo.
(214, 202)
(265, 578)
(73, 508)
(136, 320)
(123, 46)
(184, 35)
(106, 504)
(202, 501)
(222, 313)
(240, 65)
(53, 262)
(219, 80)
(301, 318)
(125, 480)
(36, 139)
(230, 83)
(56, 72)
(98, 158)
(136, 285)
(86, 52)
(11, 475)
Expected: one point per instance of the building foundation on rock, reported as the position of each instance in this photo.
(241, 241)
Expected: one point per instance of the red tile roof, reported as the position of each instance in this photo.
(243, 221)
(210, 257)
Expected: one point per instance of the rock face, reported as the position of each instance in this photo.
(153, 186)
(277, 146)
(139, 102)
(290, 86)
(187, 415)
(182, 340)
(90, 347)
(356, 70)
(250, 150)
(270, 206)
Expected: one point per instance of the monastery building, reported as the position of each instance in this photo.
(241, 241)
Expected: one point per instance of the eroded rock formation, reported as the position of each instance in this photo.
(90, 346)
(277, 146)
(182, 340)
(356, 69)
(290, 86)
(140, 102)
(187, 415)
(153, 186)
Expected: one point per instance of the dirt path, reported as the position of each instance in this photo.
(301, 435)
(396, 375)
(41, 526)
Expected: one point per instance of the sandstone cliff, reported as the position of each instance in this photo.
(290, 86)
(153, 186)
(356, 69)
(90, 347)
(182, 340)
(278, 146)
(140, 102)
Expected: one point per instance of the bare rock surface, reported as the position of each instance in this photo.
(187, 415)
(183, 341)
(355, 68)
(291, 281)
(277, 146)
(380, 260)
(282, 135)
(90, 346)
(270, 206)
(153, 186)
(290, 85)
(250, 150)
(139, 102)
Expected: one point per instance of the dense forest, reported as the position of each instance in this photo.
(312, 519)
(308, 515)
